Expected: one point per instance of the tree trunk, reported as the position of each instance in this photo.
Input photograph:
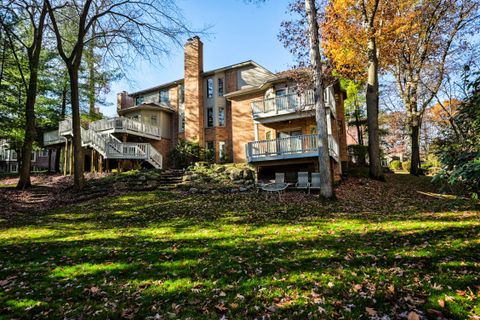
(326, 181)
(359, 129)
(78, 157)
(91, 79)
(30, 131)
(376, 171)
(56, 164)
(64, 100)
(415, 157)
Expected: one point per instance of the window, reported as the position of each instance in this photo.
(135, 117)
(209, 87)
(181, 93)
(43, 153)
(209, 117)
(33, 157)
(181, 118)
(220, 87)
(222, 151)
(13, 168)
(313, 130)
(153, 120)
(210, 151)
(139, 100)
(280, 92)
(13, 155)
(164, 97)
(221, 117)
(268, 135)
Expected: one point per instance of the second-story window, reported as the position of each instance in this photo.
(209, 87)
(209, 117)
(181, 93)
(139, 100)
(164, 97)
(221, 117)
(220, 87)
(153, 120)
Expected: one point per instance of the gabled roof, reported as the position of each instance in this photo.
(205, 74)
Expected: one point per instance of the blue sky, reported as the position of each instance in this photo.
(238, 32)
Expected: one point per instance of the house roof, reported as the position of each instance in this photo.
(146, 106)
(205, 74)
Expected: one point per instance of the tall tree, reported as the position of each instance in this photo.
(31, 14)
(435, 31)
(144, 27)
(326, 183)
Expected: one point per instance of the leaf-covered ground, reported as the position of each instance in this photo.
(381, 251)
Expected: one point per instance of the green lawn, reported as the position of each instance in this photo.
(376, 251)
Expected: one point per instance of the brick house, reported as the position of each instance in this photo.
(241, 113)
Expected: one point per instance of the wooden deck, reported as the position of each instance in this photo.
(295, 147)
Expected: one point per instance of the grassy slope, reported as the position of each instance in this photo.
(382, 249)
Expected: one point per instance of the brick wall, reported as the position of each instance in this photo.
(194, 91)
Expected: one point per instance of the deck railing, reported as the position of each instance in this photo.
(294, 146)
(126, 124)
(288, 102)
(292, 102)
(52, 137)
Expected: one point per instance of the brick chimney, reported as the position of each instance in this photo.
(124, 100)
(194, 122)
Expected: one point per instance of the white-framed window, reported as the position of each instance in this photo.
(33, 158)
(164, 97)
(222, 151)
(221, 117)
(210, 150)
(43, 153)
(209, 117)
(209, 87)
(220, 87)
(181, 93)
(13, 167)
(13, 155)
(139, 100)
(153, 120)
(181, 118)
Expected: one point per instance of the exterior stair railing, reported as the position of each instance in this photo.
(112, 148)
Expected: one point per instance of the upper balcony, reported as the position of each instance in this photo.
(126, 125)
(290, 106)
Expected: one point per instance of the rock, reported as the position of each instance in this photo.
(242, 189)
(233, 190)
(193, 190)
(120, 186)
(142, 178)
(241, 181)
(247, 174)
(186, 178)
(214, 191)
(194, 176)
(236, 174)
(152, 184)
(219, 169)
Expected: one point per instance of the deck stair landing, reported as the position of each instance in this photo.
(100, 138)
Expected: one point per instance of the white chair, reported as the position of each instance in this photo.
(279, 177)
(315, 184)
(302, 181)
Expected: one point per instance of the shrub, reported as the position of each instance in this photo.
(185, 153)
(395, 165)
(359, 153)
(406, 165)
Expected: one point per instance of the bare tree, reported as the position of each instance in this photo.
(32, 15)
(125, 29)
(326, 183)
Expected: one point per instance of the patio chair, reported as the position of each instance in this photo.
(315, 181)
(302, 181)
(279, 177)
